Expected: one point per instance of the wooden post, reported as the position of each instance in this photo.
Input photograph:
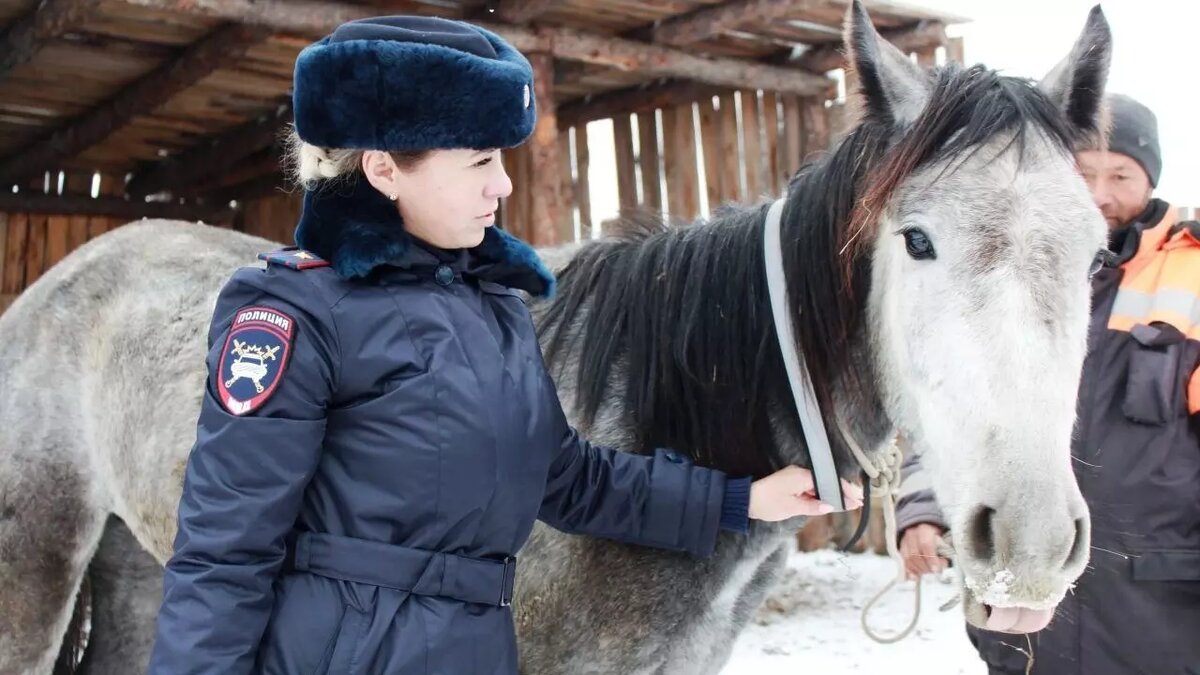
(710, 143)
(626, 173)
(927, 57)
(35, 250)
(816, 128)
(547, 212)
(582, 186)
(731, 174)
(78, 183)
(792, 135)
(679, 162)
(771, 152)
(954, 50)
(17, 240)
(753, 141)
(648, 158)
(567, 187)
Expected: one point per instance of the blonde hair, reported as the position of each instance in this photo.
(309, 165)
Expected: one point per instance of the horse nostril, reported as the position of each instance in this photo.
(981, 536)
(1079, 546)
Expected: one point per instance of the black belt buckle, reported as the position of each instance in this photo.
(509, 581)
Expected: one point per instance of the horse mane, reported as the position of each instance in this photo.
(685, 310)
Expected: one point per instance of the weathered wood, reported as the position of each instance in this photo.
(648, 160)
(710, 145)
(77, 232)
(679, 163)
(954, 50)
(3, 250)
(35, 248)
(752, 138)
(633, 100)
(220, 48)
(27, 35)
(208, 158)
(583, 194)
(931, 34)
(57, 233)
(548, 208)
(927, 57)
(522, 11)
(307, 16)
(731, 179)
(816, 129)
(104, 207)
(710, 22)
(14, 253)
(657, 61)
(567, 187)
(793, 135)
(626, 171)
(770, 113)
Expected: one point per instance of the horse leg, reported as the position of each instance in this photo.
(48, 532)
(126, 586)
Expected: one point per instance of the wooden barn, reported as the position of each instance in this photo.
(116, 110)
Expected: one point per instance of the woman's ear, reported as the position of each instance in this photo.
(381, 172)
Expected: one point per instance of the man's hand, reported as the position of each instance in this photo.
(918, 546)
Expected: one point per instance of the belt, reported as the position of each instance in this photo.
(483, 581)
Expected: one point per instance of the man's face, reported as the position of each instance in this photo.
(1119, 185)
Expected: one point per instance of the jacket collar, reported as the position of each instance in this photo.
(1143, 234)
(358, 230)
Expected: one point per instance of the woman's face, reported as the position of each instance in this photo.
(449, 198)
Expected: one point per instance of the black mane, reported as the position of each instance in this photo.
(686, 311)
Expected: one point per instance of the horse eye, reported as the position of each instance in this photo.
(917, 243)
(1103, 258)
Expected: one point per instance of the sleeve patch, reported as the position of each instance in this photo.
(254, 358)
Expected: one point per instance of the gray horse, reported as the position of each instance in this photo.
(938, 264)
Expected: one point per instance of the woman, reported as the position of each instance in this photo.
(378, 433)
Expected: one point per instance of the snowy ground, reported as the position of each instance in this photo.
(810, 623)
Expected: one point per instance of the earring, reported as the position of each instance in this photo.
(394, 197)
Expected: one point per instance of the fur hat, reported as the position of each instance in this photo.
(409, 83)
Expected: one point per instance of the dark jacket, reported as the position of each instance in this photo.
(371, 453)
(1136, 610)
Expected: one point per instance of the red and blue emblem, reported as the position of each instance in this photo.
(255, 356)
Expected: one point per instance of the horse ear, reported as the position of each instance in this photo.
(893, 88)
(1076, 84)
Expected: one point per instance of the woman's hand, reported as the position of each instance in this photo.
(790, 492)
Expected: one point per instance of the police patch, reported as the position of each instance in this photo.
(255, 355)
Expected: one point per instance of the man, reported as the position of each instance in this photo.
(1136, 446)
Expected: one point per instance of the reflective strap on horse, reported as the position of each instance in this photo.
(883, 472)
(824, 469)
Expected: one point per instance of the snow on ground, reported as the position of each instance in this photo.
(810, 623)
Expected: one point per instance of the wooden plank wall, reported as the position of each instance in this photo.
(32, 243)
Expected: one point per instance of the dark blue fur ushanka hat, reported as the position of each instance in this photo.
(405, 83)
(408, 83)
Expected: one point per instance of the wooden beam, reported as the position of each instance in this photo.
(27, 35)
(105, 206)
(306, 17)
(196, 164)
(658, 61)
(547, 207)
(634, 100)
(648, 159)
(711, 21)
(930, 34)
(220, 48)
(309, 16)
(522, 11)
